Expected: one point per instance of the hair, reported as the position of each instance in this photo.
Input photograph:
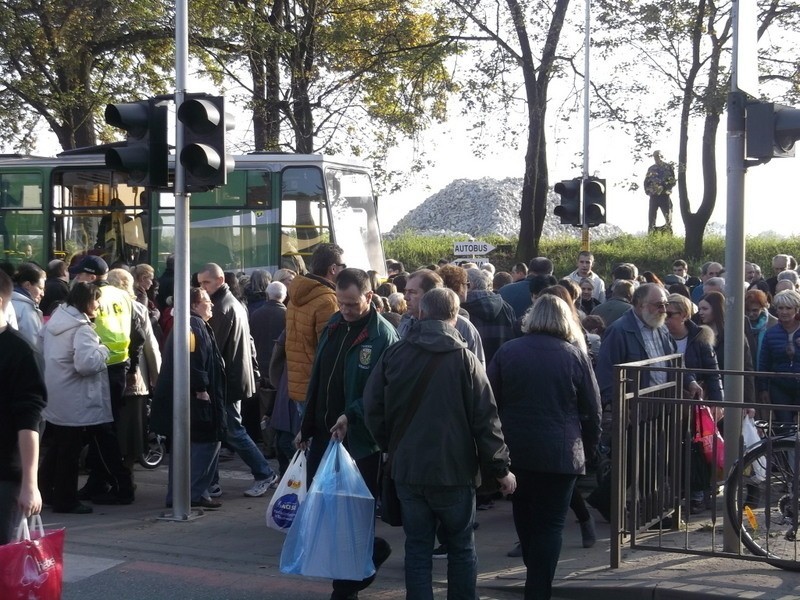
(28, 272)
(6, 286)
(623, 272)
(651, 277)
(56, 268)
(586, 254)
(594, 324)
(540, 265)
(520, 267)
(397, 303)
(81, 294)
(716, 281)
(488, 267)
(680, 263)
(357, 277)
(537, 283)
(571, 287)
(276, 291)
(787, 298)
(642, 292)
(427, 279)
(479, 280)
(386, 289)
(195, 295)
(551, 315)
(141, 270)
(259, 280)
(120, 278)
(453, 277)
(283, 274)
(394, 265)
(233, 284)
(622, 288)
(212, 269)
(781, 258)
(399, 282)
(789, 275)
(683, 304)
(374, 279)
(756, 297)
(704, 267)
(439, 304)
(500, 279)
(680, 288)
(324, 256)
(717, 302)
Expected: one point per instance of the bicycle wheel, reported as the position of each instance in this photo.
(153, 453)
(762, 502)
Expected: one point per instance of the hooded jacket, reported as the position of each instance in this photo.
(455, 430)
(493, 317)
(312, 302)
(29, 317)
(75, 374)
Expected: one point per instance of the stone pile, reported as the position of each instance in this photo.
(478, 207)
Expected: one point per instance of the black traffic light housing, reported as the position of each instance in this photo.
(203, 154)
(144, 156)
(772, 130)
(570, 208)
(594, 201)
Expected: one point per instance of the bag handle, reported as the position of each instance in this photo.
(24, 528)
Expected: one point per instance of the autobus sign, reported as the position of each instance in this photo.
(471, 248)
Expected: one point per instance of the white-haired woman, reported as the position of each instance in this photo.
(549, 427)
(780, 353)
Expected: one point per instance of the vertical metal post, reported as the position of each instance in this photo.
(586, 81)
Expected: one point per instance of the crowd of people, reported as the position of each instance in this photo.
(294, 358)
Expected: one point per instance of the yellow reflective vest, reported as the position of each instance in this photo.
(113, 322)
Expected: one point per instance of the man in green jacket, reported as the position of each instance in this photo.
(350, 346)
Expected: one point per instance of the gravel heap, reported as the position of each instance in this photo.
(477, 207)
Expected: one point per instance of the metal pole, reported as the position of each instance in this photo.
(586, 55)
(734, 287)
(180, 454)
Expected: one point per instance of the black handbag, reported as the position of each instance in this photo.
(391, 513)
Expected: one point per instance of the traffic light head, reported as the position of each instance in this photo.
(203, 154)
(145, 153)
(570, 208)
(772, 130)
(594, 201)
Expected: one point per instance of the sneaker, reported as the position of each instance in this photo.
(260, 486)
(516, 551)
(214, 490)
(440, 552)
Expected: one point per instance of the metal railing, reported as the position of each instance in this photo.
(658, 463)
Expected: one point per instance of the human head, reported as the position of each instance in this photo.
(84, 296)
(755, 303)
(6, 288)
(787, 305)
(353, 293)
(386, 289)
(200, 303)
(30, 278)
(489, 268)
(143, 276)
(259, 280)
(420, 282)
(57, 269)
(784, 284)
(714, 284)
(712, 310)
(397, 303)
(519, 271)
(749, 271)
(680, 268)
(622, 289)
(440, 304)
(780, 262)
(211, 277)
(551, 315)
(587, 288)
(537, 283)
(788, 276)
(500, 279)
(650, 304)
(585, 263)
(540, 265)
(327, 260)
(678, 303)
(478, 280)
(594, 324)
(90, 268)
(276, 291)
(122, 279)
(572, 288)
(285, 276)
(395, 267)
(658, 157)
(623, 272)
(711, 269)
(456, 279)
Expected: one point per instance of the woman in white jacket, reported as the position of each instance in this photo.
(79, 402)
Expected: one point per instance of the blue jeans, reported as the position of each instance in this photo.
(540, 506)
(204, 457)
(243, 444)
(423, 506)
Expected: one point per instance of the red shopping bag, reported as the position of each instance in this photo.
(32, 566)
(707, 434)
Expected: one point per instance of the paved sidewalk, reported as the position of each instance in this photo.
(125, 552)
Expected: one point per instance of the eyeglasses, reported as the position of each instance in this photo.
(671, 314)
(659, 305)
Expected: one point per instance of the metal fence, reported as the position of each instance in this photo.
(671, 487)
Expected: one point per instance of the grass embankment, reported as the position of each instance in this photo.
(650, 253)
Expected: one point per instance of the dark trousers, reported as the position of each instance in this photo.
(9, 510)
(540, 504)
(98, 479)
(660, 202)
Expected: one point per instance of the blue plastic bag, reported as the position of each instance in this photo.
(333, 532)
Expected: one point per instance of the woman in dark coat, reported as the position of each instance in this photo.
(549, 427)
(206, 401)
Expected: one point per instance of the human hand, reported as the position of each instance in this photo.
(299, 443)
(203, 396)
(507, 484)
(29, 500)
(339, 429)
(695, 390)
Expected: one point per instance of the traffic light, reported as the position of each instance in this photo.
(145, 153)
(203, 154)
(594, 201)
(772, 130)
(570, 208)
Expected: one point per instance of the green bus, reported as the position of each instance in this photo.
(272, 213)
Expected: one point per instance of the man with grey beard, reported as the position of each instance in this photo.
(639, 334)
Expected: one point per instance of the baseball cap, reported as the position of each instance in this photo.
(90, 264)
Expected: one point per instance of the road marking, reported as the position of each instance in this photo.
(80, 566)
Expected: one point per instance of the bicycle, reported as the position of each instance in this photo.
(154, 444)
(762, 496)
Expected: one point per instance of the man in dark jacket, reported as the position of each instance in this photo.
(350, 347)
(518, 294)
(232, 333)
(56, 288)
(492, 316)
(454, 431)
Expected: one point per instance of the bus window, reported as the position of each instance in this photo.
(96, 212)
(304, 214)
(21, 217)
(355, 219)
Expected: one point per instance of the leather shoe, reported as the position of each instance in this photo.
(207, 503)
(78, 509)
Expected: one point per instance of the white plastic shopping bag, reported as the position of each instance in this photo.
(290, 493)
